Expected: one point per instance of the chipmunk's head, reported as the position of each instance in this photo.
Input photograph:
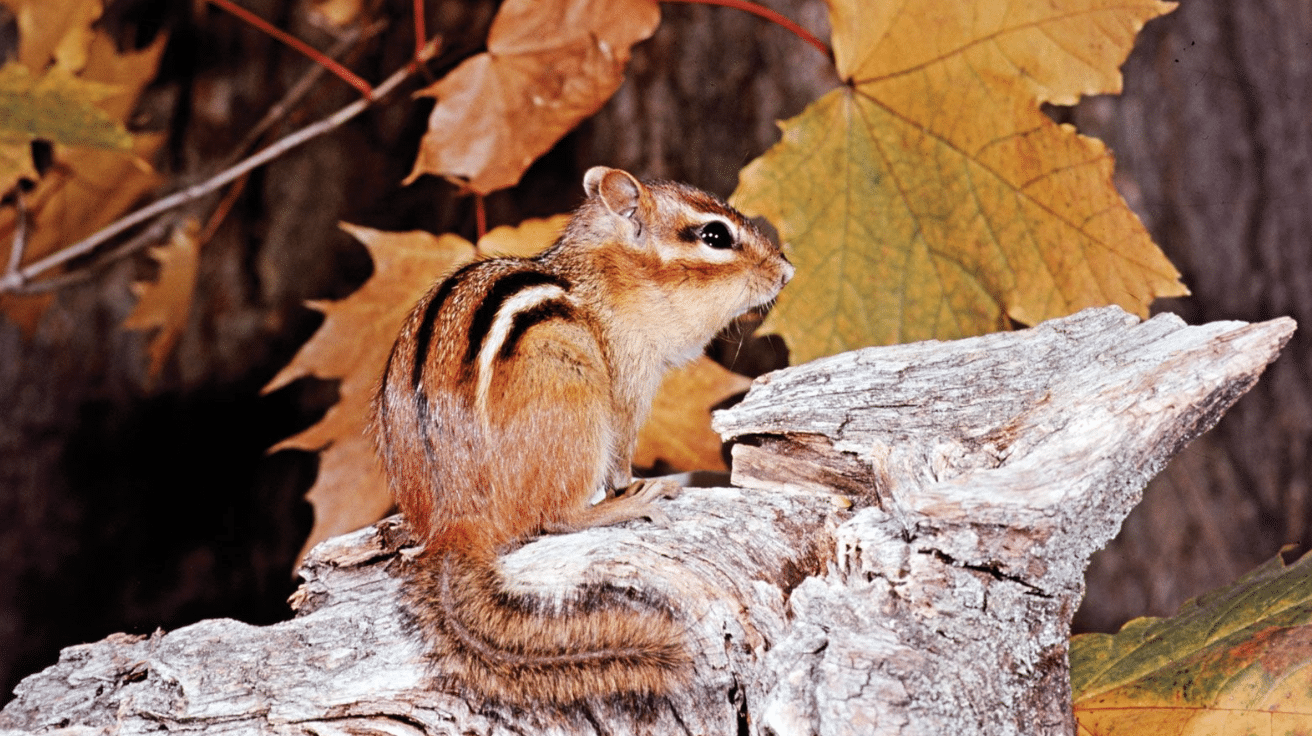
(664, 239)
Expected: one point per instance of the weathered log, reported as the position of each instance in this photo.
(903, 555)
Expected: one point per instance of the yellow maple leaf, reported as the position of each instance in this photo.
(337, 13)
(86, 191)
(932, 198)
(549, 64)
(54, 30)
(524, 240)
(163, 304)
(86, 188)
(57, 107)
(678, 432)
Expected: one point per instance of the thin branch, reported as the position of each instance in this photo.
(299, 90)
(151, 235)
(221, 212)
(19, 245)
(163, 226)
(770, 15)
(13, 281)
(345, 74)
(421, 31)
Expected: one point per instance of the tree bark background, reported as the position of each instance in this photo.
(1213, 145)
(1212, 139)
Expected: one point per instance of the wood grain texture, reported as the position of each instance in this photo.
(982, 474)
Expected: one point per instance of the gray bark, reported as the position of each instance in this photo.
(903, 554)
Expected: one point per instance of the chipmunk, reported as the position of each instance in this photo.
(513, 397)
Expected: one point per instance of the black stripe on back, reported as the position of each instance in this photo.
(542, 312)
(424, 336)
(502, 289)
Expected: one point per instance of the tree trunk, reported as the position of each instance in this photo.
(1213, 145)
(903, 554)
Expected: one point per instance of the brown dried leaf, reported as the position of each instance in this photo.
(352, 345)
(679, 428)
(54, 30)
(165, 302)
(549, 64)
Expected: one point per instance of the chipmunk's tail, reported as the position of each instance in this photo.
(605, 642)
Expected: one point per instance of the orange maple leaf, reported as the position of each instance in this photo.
(549, 64)
(163, 304)
(352, 344)
(86, 188)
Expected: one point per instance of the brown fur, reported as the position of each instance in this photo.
(485, 446)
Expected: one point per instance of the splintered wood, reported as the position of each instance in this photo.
(903, 554)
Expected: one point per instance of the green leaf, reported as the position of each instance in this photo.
(57, 107)
(1237, 660)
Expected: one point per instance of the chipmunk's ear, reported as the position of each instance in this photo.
(616, 189)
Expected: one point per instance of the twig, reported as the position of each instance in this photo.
(345, 74)
(13, 281)
(152, 234)
(770, 15)
(221, 212)
(20, 234)
(421, 31)
(299, 90)
(161, 227)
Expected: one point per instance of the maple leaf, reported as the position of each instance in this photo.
(932, 198)
(524, 240)
(57, 107)
(1237, 661)
(352, 345)
(549, 64)
(678, 432)
(337, 13)
(58, 30)
(16, 163)
(163, 304)
(87, 188)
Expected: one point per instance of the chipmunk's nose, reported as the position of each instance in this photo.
(785, 273)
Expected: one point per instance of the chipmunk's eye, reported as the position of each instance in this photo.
(716, 234)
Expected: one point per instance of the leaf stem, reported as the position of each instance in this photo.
(15, 280)
(770, 15)
(345, 74)
(421, 32)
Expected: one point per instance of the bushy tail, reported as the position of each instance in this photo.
(522, 651)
